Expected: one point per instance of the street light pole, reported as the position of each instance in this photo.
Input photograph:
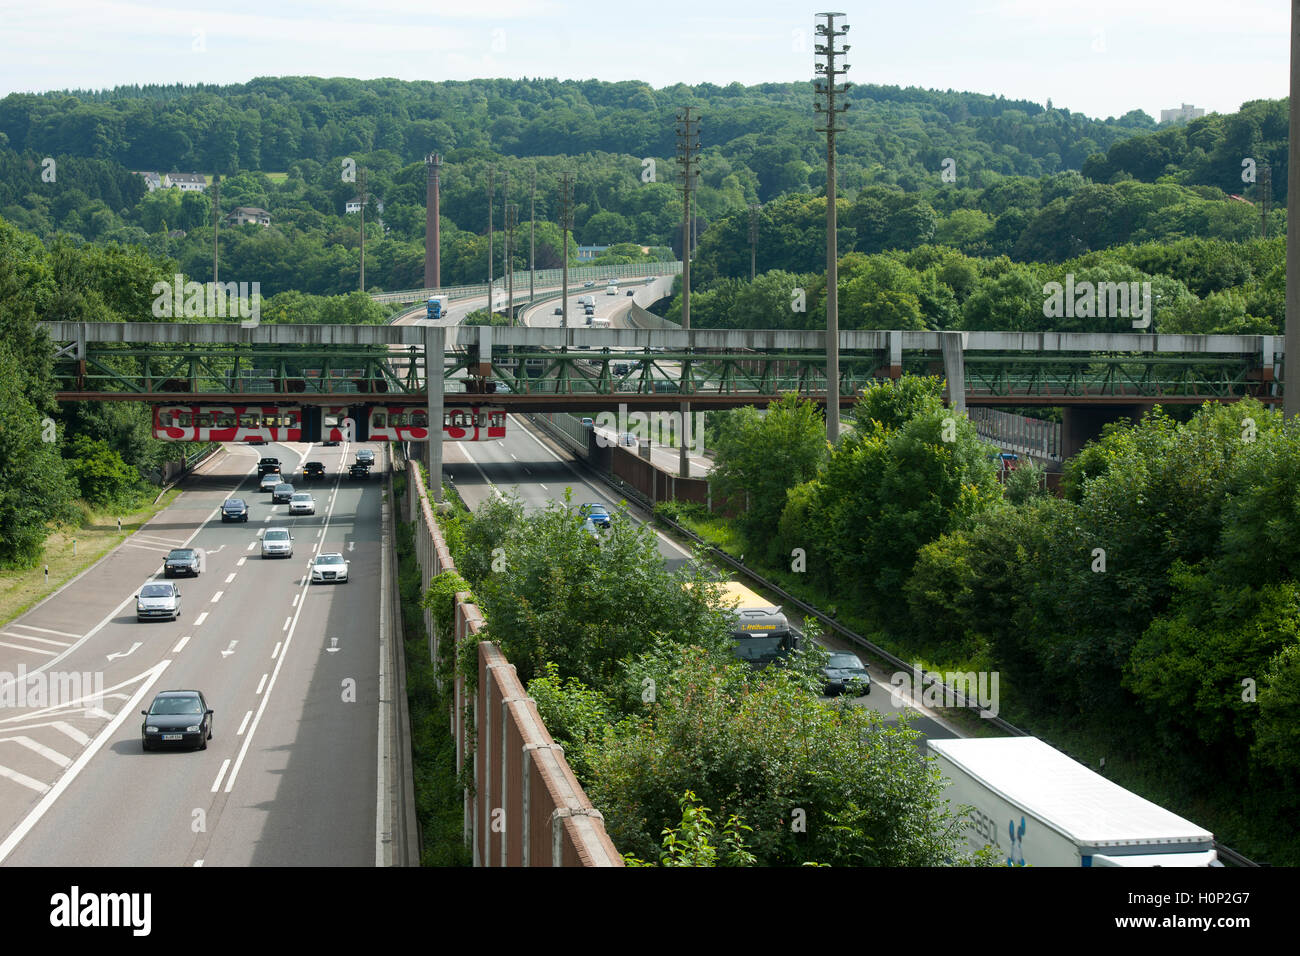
(827, 89)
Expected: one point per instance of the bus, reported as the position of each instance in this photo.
(761, 632)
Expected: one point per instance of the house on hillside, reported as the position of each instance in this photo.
(354, 205)
(186, 182)
(249, 215)
(151, 179)
(590, 252)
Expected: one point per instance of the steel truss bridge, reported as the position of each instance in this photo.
(527, 369)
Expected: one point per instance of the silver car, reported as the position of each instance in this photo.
(277, 543)
(302, 503)
(159, 599)
(270, 480)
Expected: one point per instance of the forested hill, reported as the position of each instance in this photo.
(766, 133)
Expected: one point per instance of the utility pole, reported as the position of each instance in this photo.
(432, 224)
(363, 229)
(512, 220)
(827, 90)
(566, 223)
(688, 152)
(532, 239)
(753, 239)
(491, 172)
(1291, 387)
(216, 220)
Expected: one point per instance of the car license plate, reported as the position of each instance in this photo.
(171, 736)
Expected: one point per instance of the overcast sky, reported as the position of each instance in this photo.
(1099, 57)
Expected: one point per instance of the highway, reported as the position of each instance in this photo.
(291, 670)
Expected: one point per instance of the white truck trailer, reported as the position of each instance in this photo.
(1037, 807)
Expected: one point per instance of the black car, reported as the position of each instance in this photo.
(330, 442)
(366, 457)
(282, 493)
(178, 717)
(181, 561)
(234, 509)
(268, 465)
(313, 469)
(845, 674)
(359, 470)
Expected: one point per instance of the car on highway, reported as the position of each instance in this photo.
(627, 438)
(302, 503)
(588, 423)
(629, 291)
(313, 469)
(589, 309)
(366, 457)
(330, 442)
(588, 285)
(270, 480)
(589, 526)
(282, 492)
(845, 674)
(158, 599)
(359, 471)
(177, 717)
(234, 509)
(277, 543)
(181, 561)
(329, 566)
(559, 310)
(622, 368)
(597, 512)
(256, 441)
(268, 466)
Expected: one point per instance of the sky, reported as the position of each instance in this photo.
(1099, 57)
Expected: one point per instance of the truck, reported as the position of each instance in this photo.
(1035, 806)
(587, 300)
(436, 306)
(761, 631)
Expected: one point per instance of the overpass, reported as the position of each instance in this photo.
(1096, 377)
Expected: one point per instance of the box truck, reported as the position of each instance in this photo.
(1037, 807)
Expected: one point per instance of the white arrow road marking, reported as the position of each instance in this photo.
(134, 646)
(351, 545)
(19, 833)
(229, 650)
(215, 550)
(334, 646)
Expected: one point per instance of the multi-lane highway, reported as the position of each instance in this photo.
(292, 670)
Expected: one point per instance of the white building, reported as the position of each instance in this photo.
(186, 182)
(249, 215)
(1185, 112)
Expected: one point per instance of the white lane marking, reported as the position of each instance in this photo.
(295, 601)
(154, 539)
(268, 517)
(201, 618)
(19, 833)
(260, 685)
(275, 650)
(216, 784)
(243, 723)
(39, 640)
(240, 562)
(229, 650)
(33, 650)
(70, 731)
(216, 597)
(46, 630)
(198, 862)
(542, 486)
(470, 458)
(143, 547)
(230, 577)
(287, 620)
(275, 671)
(318, 534)
(251, 546)
(116, 654)
(180, 645)
(53, 756)
(22, 778)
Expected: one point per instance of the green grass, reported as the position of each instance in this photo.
(95, 536)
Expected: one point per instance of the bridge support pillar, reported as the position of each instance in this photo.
(954, 369)
(894, 367)
(435, 343)
(1080, 424)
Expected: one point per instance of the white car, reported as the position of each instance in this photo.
(277, 543)
(158, 600)
(329, 566)
(270, 480)
(302, 503)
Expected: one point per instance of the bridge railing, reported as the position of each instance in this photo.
(546, 276)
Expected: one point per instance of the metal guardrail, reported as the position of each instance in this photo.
(576, 274)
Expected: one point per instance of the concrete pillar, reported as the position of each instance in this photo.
(435, 340)
(954, 369)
